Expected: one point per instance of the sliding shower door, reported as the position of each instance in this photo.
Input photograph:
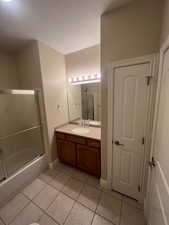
(21, 131)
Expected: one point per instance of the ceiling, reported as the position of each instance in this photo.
(65, 25)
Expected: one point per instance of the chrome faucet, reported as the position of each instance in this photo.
(84, 123)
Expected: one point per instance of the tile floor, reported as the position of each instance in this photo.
(70, 197)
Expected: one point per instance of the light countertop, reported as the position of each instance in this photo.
(94, 133)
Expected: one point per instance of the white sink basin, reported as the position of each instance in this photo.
(81, 130)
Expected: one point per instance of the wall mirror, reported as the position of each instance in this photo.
(84, 101)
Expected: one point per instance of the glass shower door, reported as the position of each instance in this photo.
(21, 137)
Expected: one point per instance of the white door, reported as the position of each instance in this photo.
(131, 95)
(159, 199)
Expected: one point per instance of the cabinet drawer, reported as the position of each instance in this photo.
(93, 143)
(59, 135)
(76, 139)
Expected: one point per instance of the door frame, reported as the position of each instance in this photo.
(153, 61)
(163, 49)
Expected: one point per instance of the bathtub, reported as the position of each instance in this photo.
(15, 183)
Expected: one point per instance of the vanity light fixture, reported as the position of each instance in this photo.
(6, 0)
(94, 78)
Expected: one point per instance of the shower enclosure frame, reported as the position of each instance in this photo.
(41, 126)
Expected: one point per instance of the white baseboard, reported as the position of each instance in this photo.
(53, 164)
(105, 184)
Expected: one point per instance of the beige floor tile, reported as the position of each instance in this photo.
(98, 220)
(12, 208)
(89, 197)
(132, 202)
(113, 193)
(79, 175)
(34, 188)
(73, 188)
(131, 215)
(49, 175)
(91, 180)
(61, 166)
(65, 169)
(30, 214)
(46, 220)
(59, 181)
(109, 207)
(60, 208)
(1, 223)
(46, 197)
(79, 215)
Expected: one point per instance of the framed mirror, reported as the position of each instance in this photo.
(84, 101)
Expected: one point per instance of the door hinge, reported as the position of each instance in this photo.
(148, 80)
(143, 141)
(139, 188)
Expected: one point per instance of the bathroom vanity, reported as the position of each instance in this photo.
(80, 147)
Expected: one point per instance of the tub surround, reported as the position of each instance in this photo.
(94, 133)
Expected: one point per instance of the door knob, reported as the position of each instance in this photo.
(118, 143)
(152, 163)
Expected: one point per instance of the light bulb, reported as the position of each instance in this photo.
(80, 78)
(6, 0)
(70, 79)
(98, 75)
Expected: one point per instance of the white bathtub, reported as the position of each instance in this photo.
(20, 179)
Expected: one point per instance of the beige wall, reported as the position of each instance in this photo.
(29, 73)
(8, 73)
(83, 62)
(8, 80)
(165, 22)
(28, 66)
(55, 94)
(131, 31)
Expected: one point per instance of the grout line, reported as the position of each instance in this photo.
(45, 210)
(84, 183)
(20, 211)
(46, 214)
(93, 217)
(121, 208)
(108, 220)
(1, 219)
(96, 213)
(59, 191)
(69, 212)
(35, 194)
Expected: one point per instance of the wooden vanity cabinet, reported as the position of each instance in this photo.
(83, 153)
(88, 159)
(66, 152)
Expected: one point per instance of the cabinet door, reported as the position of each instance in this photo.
(88, 159)
(66, 152)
